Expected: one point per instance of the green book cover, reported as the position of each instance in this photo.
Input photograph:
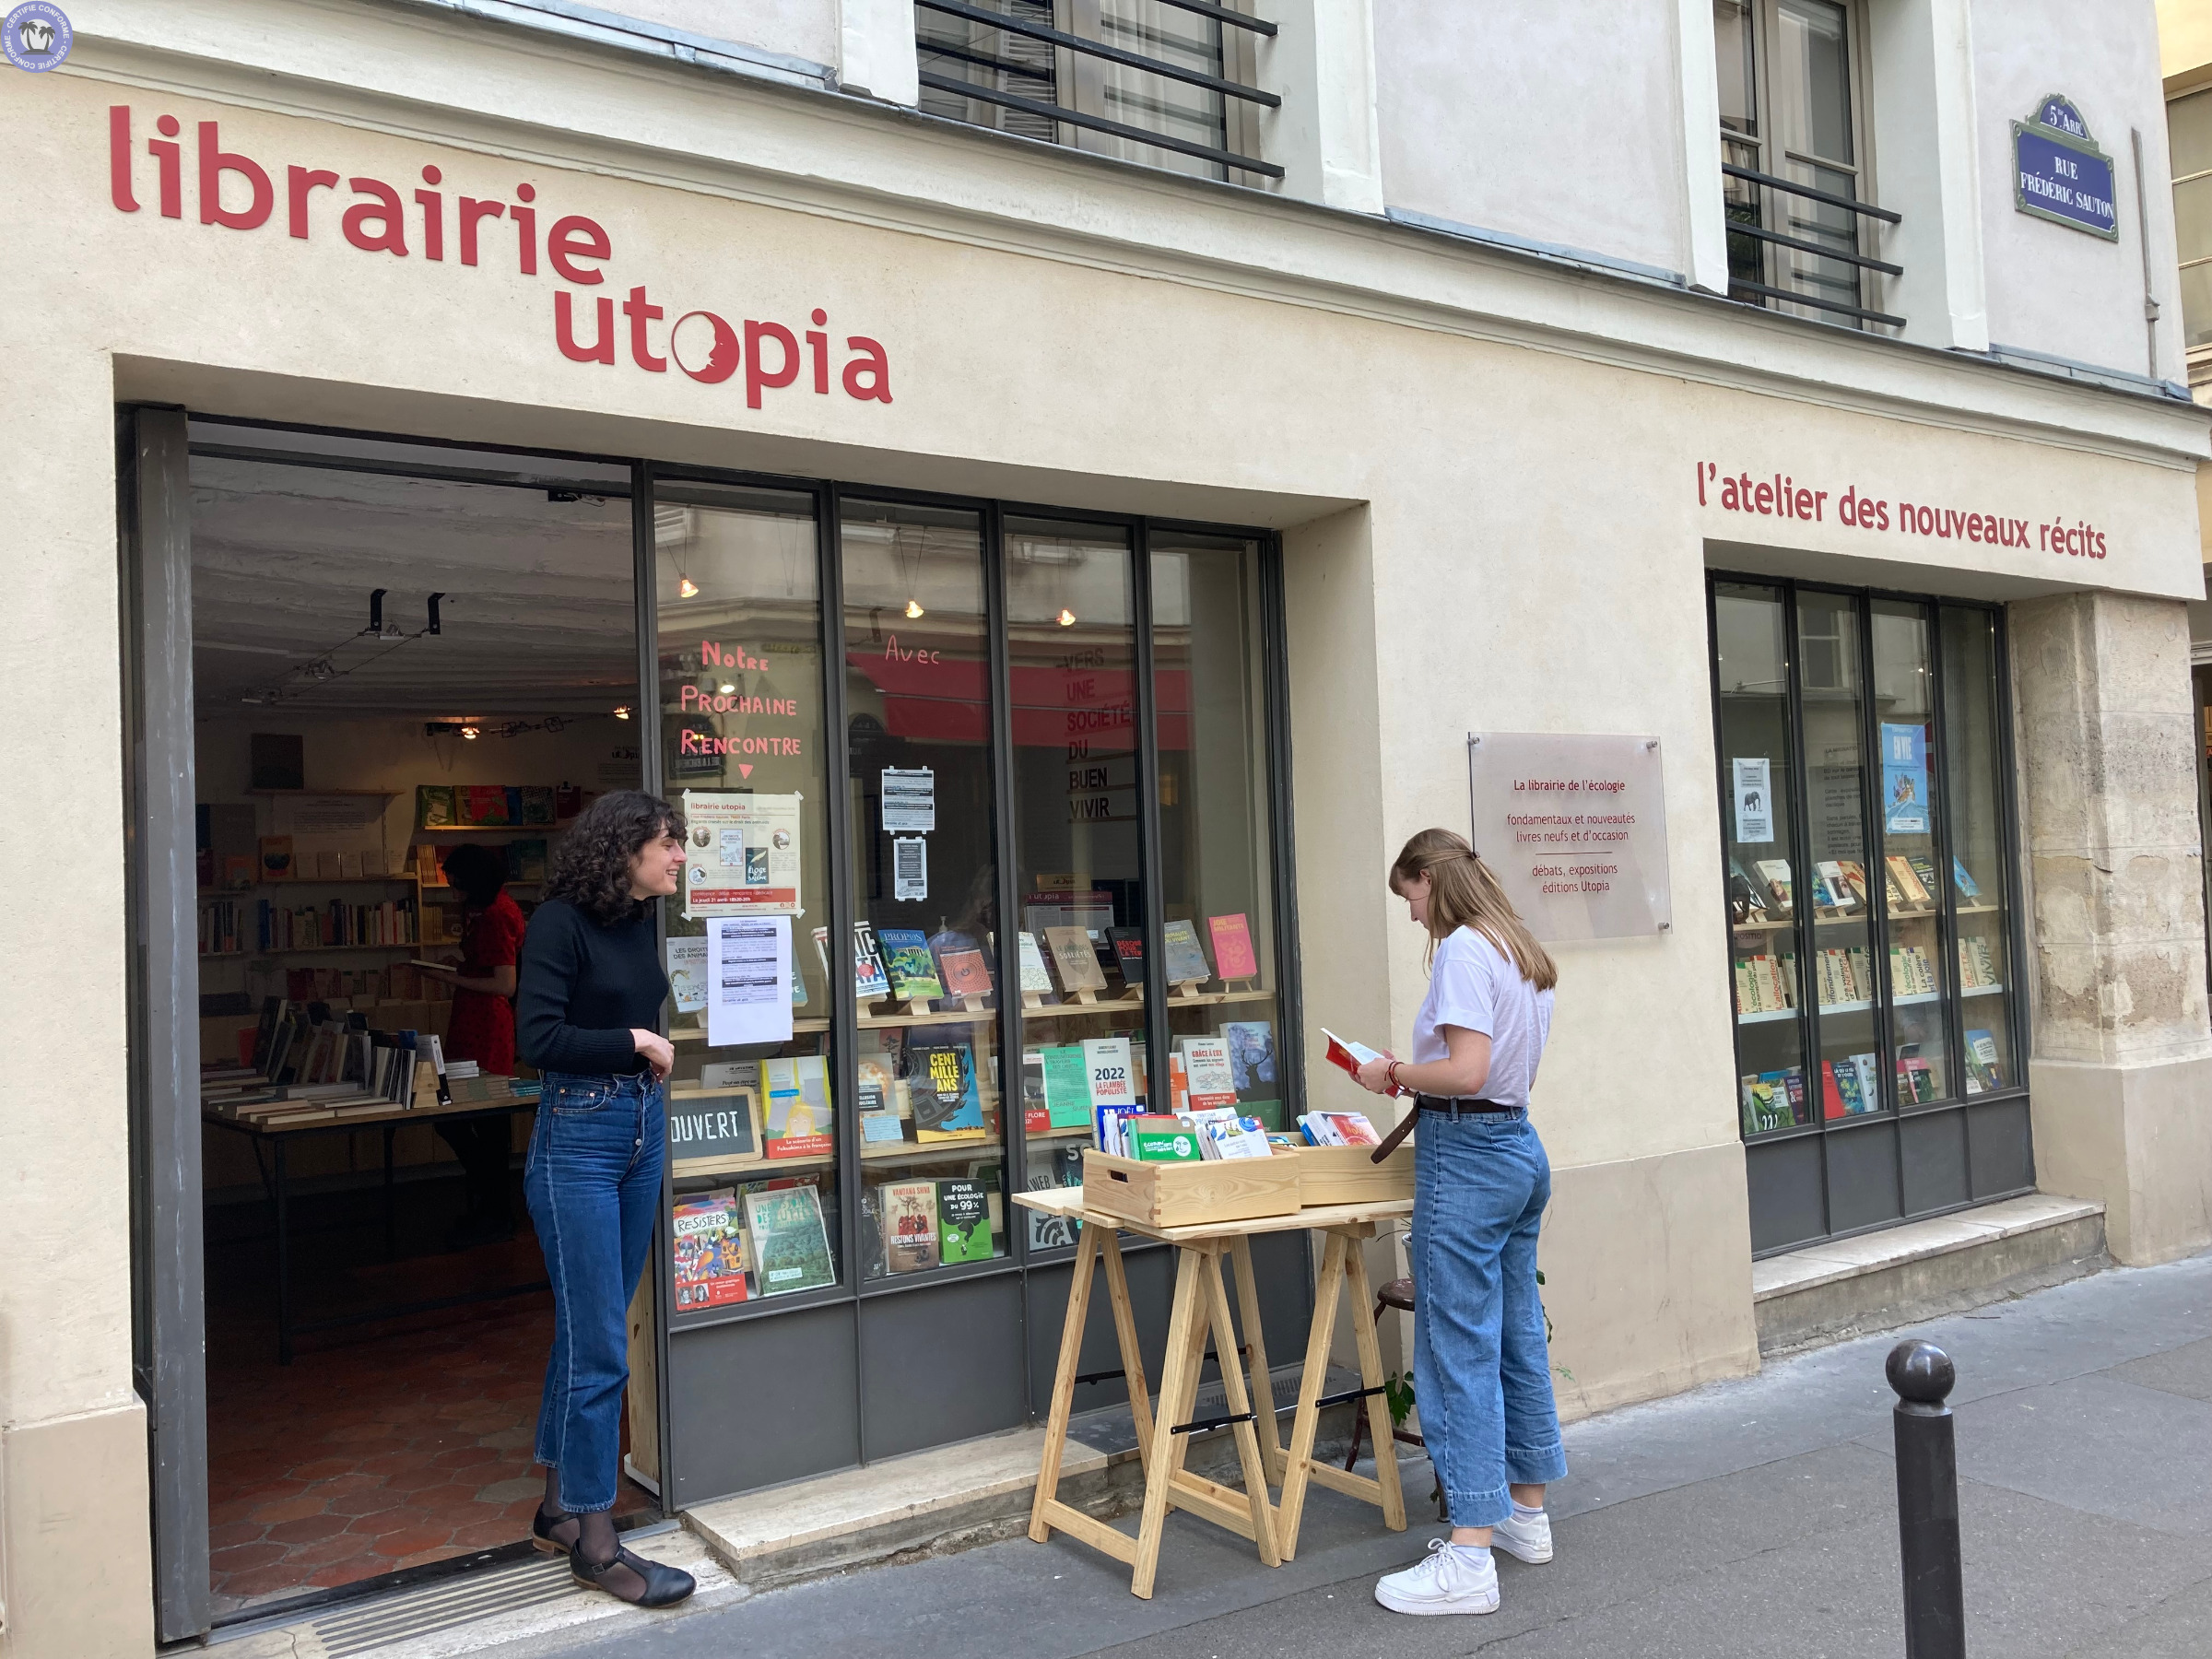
(1164, 1145)
(791, 1248)
(433, 806)
(1268, 1112)
(914, 971)
(1067, 1087)
(963, 1221)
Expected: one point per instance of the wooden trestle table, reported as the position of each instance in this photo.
(1201, 1310)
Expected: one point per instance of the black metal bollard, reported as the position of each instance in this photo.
(1927, 1502)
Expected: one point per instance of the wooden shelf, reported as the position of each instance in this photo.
(523, 831)
(1844, 1008)
(1980, 990)
(293, 793)
(1771, 926)
(301, 950)
(304, 881)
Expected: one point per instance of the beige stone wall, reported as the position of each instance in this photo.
(2121, 1071)
(1491, 524)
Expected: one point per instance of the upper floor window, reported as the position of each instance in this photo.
(1166, 82)
(1800, 226)
(2189, 135)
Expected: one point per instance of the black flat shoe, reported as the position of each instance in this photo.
(664, 1586)
(541, 1531)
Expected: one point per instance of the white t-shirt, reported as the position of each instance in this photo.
(1475, 986)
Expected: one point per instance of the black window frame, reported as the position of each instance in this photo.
(1821, 1133)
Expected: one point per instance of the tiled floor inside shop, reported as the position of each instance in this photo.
(382, 1446)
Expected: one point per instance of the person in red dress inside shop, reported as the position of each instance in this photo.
(482, 1028)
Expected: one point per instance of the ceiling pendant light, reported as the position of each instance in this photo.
(913, 608)
(621, 711)
(685, 587)
(726, 687)
(470, 733)
(1067, 618)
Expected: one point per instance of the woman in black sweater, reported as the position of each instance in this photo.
(587, 1012)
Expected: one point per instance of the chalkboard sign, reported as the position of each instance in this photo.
(720, 1124)
(2058, 173)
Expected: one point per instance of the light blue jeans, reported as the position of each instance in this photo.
(1481, 1367)
(593, 1183)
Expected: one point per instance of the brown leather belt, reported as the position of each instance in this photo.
(1457, 1106)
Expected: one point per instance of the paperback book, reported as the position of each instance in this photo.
(1074, 960)
(709, 1255)
(1232, 947)
(1128, 955)
(1066, 1076)
(790, 1247)
(799, 1113)
(910, 1225)
(965, 973)
(941, 1087)
(963, 1221)
(907, 960)
(1034, 979)
(1183, 956)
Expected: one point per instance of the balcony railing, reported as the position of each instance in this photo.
(1825, 258)
(1151, 80)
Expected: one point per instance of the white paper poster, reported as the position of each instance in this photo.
(743, 853)
(909, 798)
(687, 972)
(748, 980)
(910, 867)
(1754, 799)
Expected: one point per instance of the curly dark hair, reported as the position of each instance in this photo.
(591, 868)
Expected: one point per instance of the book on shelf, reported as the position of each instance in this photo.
(946, 1103)
(1747, 900)
(790, 1245)
(1234, 954)
(1109, 1071)
(965, 973)
(1036, 1115)
(1764, 1106)
(1065, 1076)
(873, 1264)
(1977, 964)
(1129, 945)
(1782, 892)
(1184, 956)
(1232, 1137)
(907, 959)
(1984, 1070)
(1835, 892)
(1035, 979)
(1969, 890)
(1108, 1123)
(870, 983)
(277, 858)
(910, 1225)
(537, 805)
(709, 1252)
(434, 806)
(1074, 960)
(1911, 972)
(1916, 1080)
(964, 1231)
(799, 1107)
(1209, 1076)
(1905, 885)
(1765, 984)
(527, 859)
(1252, 1060)
(1923, 870)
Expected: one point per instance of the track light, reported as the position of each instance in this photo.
(470, 732)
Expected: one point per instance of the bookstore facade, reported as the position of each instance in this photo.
(1046, 704)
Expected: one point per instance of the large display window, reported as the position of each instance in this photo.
(1868, 838)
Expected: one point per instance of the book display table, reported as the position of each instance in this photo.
(1201, 1310)
(276, 1183)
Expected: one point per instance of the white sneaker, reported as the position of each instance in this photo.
(1442, 1582)
(1527, 1540)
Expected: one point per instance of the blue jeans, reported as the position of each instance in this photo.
(1481, 1367)
(594, 1182)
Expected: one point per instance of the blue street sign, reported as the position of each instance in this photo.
(2058, 173)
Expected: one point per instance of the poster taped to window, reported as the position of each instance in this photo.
(742, 856)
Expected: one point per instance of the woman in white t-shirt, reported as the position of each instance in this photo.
(1482, 1370)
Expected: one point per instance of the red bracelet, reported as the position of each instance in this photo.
(1390, 1074)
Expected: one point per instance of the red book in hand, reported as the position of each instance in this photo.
(1351, 1056)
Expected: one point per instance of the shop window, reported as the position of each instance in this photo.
(1071, 632)
(1218, 955)
(753, 1126)
(924, 874)
(1866, 832)
(2189, 136)
(1799, 207)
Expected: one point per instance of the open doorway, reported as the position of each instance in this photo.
(411, 668)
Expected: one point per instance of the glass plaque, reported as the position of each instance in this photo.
(1575, 826)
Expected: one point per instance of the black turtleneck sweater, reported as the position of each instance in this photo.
(582, 988)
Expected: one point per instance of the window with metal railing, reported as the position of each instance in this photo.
(1165, 82)
(1801, 235)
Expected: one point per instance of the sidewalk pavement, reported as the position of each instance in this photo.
(1753, 1518)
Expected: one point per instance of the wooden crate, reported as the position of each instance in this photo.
(1350, 1176)
(1189, 1195)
